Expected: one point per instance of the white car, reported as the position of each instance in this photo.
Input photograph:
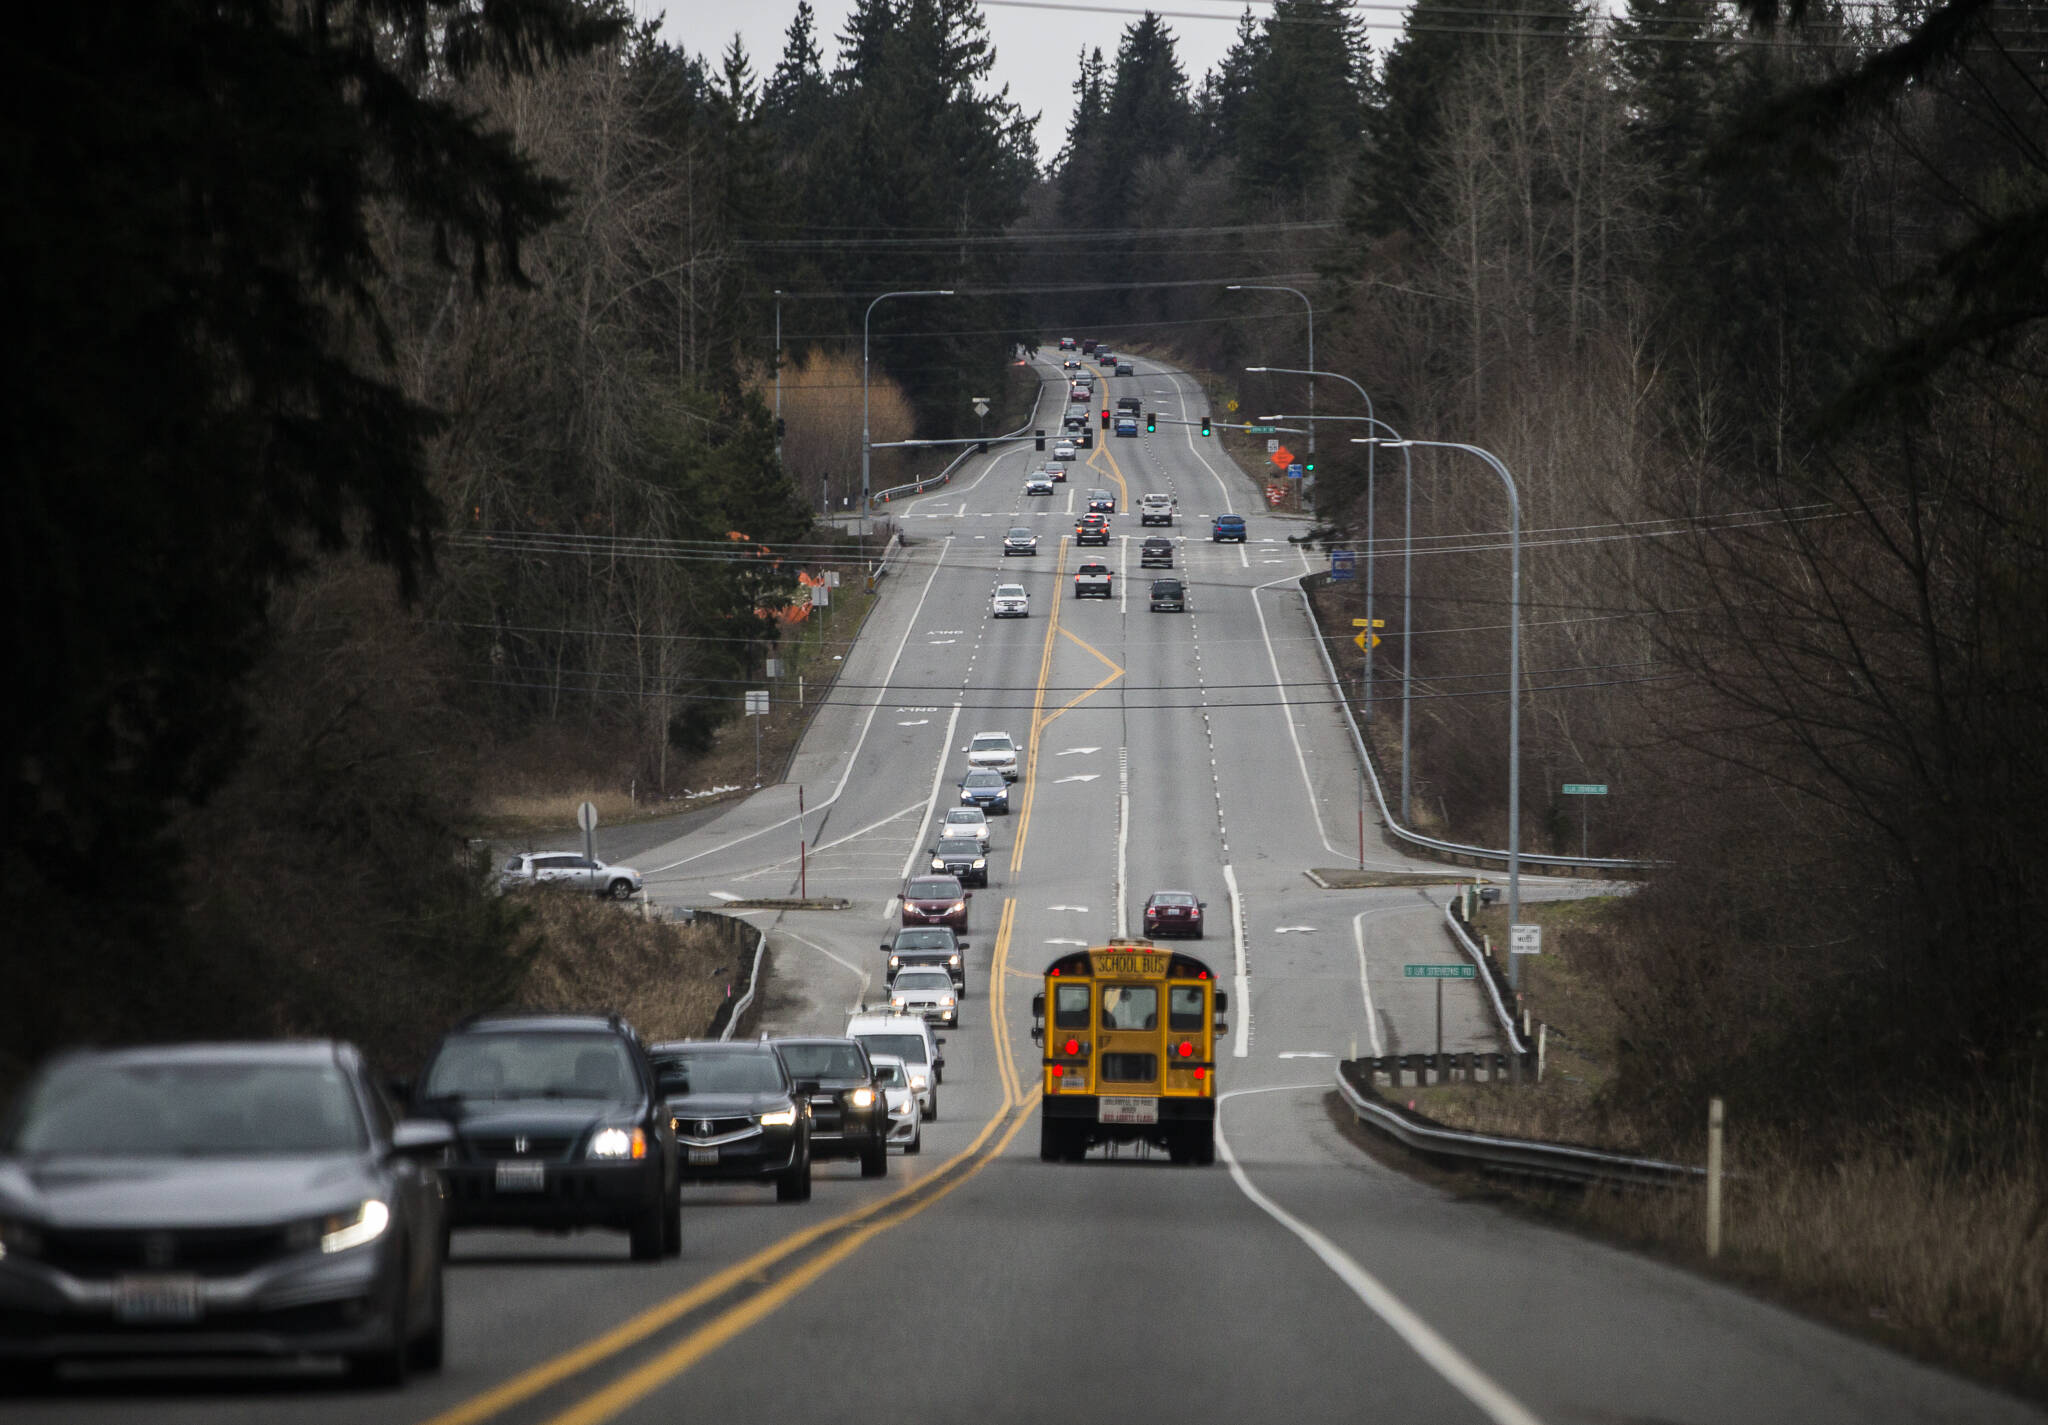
(1038, 485)
(1065, 451)
(993, 749)
(1009, 601)
(910, 1039)
(965, 821)
(893, 1079)
(928, 993)
(567, 868)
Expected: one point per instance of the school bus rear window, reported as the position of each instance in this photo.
(1130, 1007)
(1184, 1007)
(1070, 1007)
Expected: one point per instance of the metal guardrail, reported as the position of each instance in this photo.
(1486, 974)
(1416, 838)
(746, 1001)
(1521, 1156)
(918, 487)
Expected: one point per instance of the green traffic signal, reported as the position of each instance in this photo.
(1205, 426)
(1151, 422)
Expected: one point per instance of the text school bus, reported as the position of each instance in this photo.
(1129, 1033)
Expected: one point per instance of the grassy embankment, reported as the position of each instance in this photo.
(1928, 1230)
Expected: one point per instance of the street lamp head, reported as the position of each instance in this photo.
(1235, 287)
(1391, 442)
(1258, 368)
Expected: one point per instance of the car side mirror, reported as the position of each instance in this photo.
(1201, 905)
(964, 946)
(938, 1041)
(885, 949)
(421, 1137)
(940, 1062)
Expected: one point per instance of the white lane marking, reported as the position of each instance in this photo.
(918, 722)
(1301, 761)
(866, 978)
(889, 910)
(1123, 574)
(1294, 930)
(938, 776)
(1440, 1355)
(942, 642)
(1372, 1019)
(1241, 1045)
(1187, 434)
(1079, 777)
(852, 757)
(1305, 1054)
(1123, 842)
(722, 895)
(1082, 908)
(1066, 942)
(1069, 752)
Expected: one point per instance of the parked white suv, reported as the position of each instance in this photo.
(910, 1039)
(993, 749)
(567, 868)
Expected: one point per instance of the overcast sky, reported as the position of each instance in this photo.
(1037, 51)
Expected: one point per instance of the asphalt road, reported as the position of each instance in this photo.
(1298, 1279)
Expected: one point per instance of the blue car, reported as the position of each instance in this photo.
(985, 788)
(1223, 528)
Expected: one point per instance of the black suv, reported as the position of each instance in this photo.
(932, 947)
(849, 1112)
(736, 1114)
(558, 1123)
(1156, 552)
(963, 858)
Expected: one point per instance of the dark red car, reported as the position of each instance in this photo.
(1173, 913)
(935, 900)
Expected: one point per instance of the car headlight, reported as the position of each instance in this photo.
(861, 1098)
(955, 958)
(895, 1001)
(945, 1001)
(980, 864)
(894, 961)
(917, 1082)
(342, 1230)
(937, 865)
(619, 1143)
(779, 1118)
(956, 908)
(19, 1238)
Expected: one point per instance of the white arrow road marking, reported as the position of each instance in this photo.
(918, 722)
(938, 642)
(1066, 942)
(1082, 908)
(1079, 777)
(1069, 752)
(723, 896)
(1294, 930)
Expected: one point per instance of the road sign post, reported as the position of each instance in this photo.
(1584, 789)
(586, 817)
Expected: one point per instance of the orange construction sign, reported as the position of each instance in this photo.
(1283, 457)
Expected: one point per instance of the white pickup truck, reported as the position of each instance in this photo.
(1156, 509)
(1091, 581)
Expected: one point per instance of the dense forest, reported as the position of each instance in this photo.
(395, 411)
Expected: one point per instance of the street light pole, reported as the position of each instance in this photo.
(865, 439)
(1407, 588)
(778, 376)
(1514, 678)
(1371, 489)
(1311, 373)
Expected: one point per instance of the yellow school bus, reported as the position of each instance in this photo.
(1129, 1035)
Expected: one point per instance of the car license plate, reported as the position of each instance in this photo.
(702, 1156)
(1128, 1110)
(157, 1298)
(522, 1177)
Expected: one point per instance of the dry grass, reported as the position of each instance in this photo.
(667, 979)
(1929, 1230)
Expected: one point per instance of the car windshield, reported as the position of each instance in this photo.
(909, 1048)
(1010, 591)
(189, 1110)
(822, 1061)
(933, 890)
(891, 1076)
(999, 742)
(524, 1064)
(966, 816)
(717, 1073)
(958, 845)
(929, 939)
(924, 980)
(1173, 898)
(1018, 533)
(984, 779)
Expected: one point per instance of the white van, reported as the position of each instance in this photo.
(910, 1039)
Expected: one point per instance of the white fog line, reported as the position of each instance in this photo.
(1123, 842)
(1287, 711)
(1241, 1043)
(1196, 450)
(866, 977)
(1372, 1020)
(1440, 1355)
(932, 802)
(853, 756)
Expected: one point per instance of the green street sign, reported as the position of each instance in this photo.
(1263, 430)
(1585, 789)
(1438, 972)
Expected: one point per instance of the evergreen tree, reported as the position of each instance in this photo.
(793, 100)
(1298, 129)
(1226, 90)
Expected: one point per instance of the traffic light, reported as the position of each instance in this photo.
(1308, 467)
(1205, 427)
(1087, 439)
(1105, 418)
(1151, 422)
(1041, 438)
